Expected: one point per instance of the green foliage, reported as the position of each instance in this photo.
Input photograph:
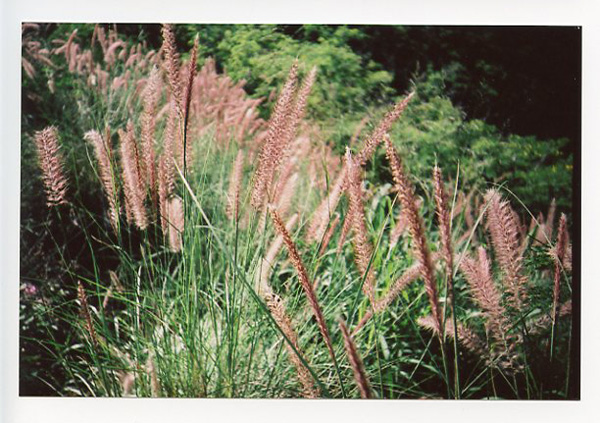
(341, 35)
(434, 130)
(262, 56)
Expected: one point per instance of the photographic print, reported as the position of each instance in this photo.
(300, 211)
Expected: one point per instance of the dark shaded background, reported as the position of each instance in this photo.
(524, 80)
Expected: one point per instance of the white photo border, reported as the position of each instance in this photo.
(584, 13)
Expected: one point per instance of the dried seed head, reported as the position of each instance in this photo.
(382, 129)
(356, 363)
(484, 292)
(469, 339)
(150, 100)
(410, 275)
(175, 218)
(329, 234)
(304, 282)
(561, 248)
(417, 231)
(277, 309)
(191, 73)
(133, 185)
(85, 311)
(360, 240)
(504, 226)
(235, 182)
(320, 219)
(276, 142)
(104, 156)
(51, 163)
(443, 215)
(171, 64)
(267, 263)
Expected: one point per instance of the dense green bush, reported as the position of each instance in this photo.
(262, 56)
(434, 130)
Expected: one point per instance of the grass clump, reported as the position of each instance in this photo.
(159, 270)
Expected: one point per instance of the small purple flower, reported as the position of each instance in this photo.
(29, 289)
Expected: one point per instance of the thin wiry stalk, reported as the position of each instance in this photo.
(51, 163)
(356, 363)
(115, 285)
(155, 389)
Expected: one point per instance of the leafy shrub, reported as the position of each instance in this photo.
(262, 55)
(434, 130)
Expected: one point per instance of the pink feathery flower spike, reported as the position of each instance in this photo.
(51, 163)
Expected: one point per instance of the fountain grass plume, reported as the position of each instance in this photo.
(51, 163)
